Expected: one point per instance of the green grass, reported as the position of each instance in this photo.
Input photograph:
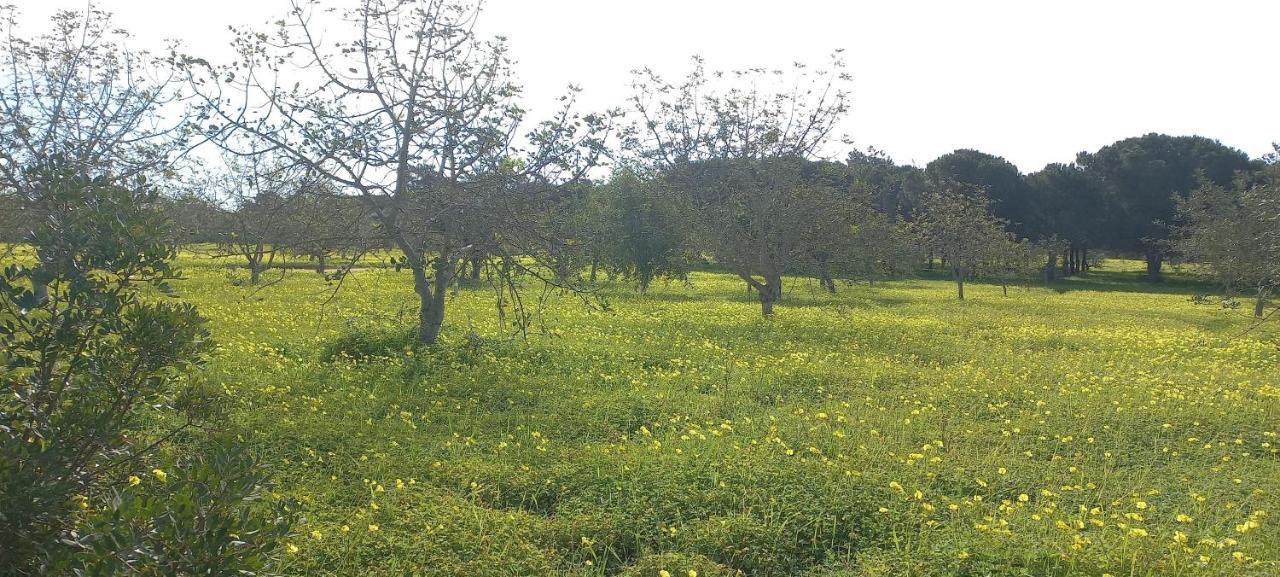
(1092, 428)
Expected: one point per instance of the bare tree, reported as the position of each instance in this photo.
(402, 104)
(260, 202)
(742, 143)
(77, 94)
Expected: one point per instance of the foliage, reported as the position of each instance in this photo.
(84, 361)
(1145, 174)
(974, 173)
(1233, 231)
(644, 229)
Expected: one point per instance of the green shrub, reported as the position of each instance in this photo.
(367, 344)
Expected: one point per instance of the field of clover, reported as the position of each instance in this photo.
(1100, 427)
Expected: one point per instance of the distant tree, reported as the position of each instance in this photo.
(1145, 174)
(405, 106)
(259, 197)
(1069, 214)
(321, 223)
(872, 248)
(976, 173)
(960, 228)
(744, 153)
(1234, 230)
(195, 219)
(643, 229)
(896, 191)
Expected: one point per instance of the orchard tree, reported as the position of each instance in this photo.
(403, 104)
(961, 230)
(1145, 174)
(643, 229)
(1234, 230)
(258, 197)
(741, 145)
(322, 223)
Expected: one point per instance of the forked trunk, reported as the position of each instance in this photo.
(431, 296)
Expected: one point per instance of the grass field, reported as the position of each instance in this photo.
(1091, 429)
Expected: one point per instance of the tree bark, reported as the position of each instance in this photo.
(958, 273)
(431, 297)
(1154, 261)
(1260, 302)
(476, 265)
(824, 276)
(320, 264)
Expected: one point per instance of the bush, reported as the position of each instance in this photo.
(366, 344)
(84, 358)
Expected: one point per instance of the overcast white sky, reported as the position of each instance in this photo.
(1032, 81)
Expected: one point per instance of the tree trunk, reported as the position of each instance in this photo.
(431, 297)
(39, 288)
(930, 265)
(1260, 302)
(1154, 260)
(1066, 264)
(475, 269)
(1084, 258)
(824, 276)
(255, 271)
(959, 276)
(1051, 267)
(320, 263)
(769, 292)
(1004, 287)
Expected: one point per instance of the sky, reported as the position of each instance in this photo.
(1034, 81)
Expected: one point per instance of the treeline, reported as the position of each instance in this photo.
(866, 218)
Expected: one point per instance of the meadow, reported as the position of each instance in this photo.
(1097, 427)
